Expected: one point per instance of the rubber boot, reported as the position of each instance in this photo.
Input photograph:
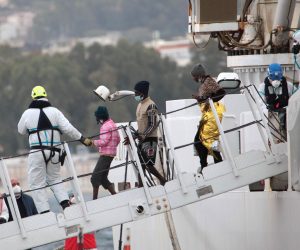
(46, 211)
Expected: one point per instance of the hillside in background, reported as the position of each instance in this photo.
(70, 78)
(136, 19)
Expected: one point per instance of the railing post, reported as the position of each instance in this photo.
(227, 151)
(289, 163)
(75, 182)
(165, 163)
(13, 206)
(178, 170)
(265, 141)
(139, 165)
(265, 123)
(130, 153)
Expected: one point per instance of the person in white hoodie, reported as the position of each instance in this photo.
(44, 124)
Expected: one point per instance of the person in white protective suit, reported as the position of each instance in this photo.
(44, 124)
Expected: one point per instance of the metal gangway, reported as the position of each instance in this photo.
(138, 203)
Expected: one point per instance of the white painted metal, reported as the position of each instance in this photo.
(8, 186)
(134, 204)
(225, 144)
(247, 61)
(130, 154)
(178, 170)
(257, 118)
(293, 120)
(231, 221)
(75, 182)
(172, 230)
(264, 120)
(218, 178)
(139, 165)
(9, 199)
(213, 27)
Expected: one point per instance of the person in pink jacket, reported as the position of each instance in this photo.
(107, 145)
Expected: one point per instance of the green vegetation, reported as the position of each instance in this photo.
(69, 80)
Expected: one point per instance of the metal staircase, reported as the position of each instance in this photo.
(138, 203)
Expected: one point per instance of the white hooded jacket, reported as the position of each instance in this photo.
(29, 122)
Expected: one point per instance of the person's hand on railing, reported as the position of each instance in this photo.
(86, 141)
(126, 141)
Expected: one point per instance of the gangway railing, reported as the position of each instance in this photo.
(139, 203)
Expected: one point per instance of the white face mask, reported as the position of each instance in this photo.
(17, 190)
(275, 83)
(138, 98)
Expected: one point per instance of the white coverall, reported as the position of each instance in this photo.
(39, 174)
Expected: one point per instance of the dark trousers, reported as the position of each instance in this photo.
(100, 173)
(147, 155)
(203, 152)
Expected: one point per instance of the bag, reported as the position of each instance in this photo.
(215, 146)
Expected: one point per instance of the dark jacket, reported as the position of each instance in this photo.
(209, 88)
(274, 101)
(28, 204)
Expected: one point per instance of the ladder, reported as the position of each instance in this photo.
(140, 203)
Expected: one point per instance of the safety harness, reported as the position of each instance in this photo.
(45, 124)
(276, 102)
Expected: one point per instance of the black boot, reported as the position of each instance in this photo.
(46, 211)
(64, 204)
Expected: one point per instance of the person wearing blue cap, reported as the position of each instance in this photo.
(275, 92)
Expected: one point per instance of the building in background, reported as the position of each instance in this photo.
(15, 27)
(65, 46)
(4, 3)
(177, 49)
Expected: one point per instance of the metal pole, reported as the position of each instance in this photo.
(178, 170)
(263, 118)
(289, 162)
(14, 208)
(72, 183)
(75, 181)
(130, 152)
(223, 138)
(260, 129)
(139, 165)
(9, 200)
(125, 180)
(165, 164)
(172, 230)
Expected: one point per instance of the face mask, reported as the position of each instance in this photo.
(138, 98)
(275, 83)
(17, 190)
(100, 122)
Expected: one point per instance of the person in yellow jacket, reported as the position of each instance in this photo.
(209, 134)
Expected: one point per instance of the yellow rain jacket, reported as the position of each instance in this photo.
(209, 131)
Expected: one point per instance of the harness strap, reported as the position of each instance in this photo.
(39, 130)
(46, 148)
